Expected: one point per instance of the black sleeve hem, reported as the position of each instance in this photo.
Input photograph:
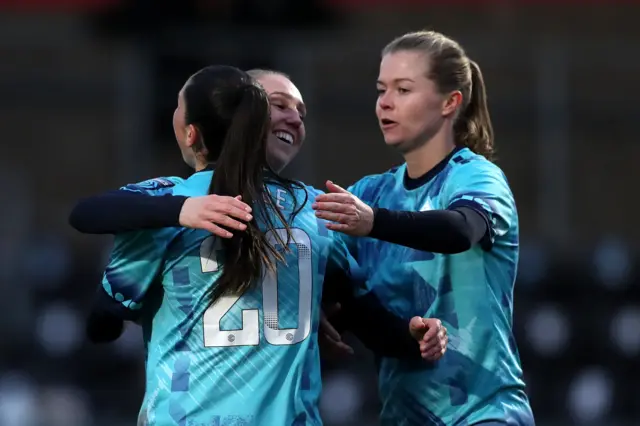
(105, 303)
(121, 211)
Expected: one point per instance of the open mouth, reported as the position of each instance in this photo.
(385, 123)
(285, 137)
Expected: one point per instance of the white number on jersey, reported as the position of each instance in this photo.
(249, 334)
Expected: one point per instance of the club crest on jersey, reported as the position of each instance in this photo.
(426, 206)
(156, 183)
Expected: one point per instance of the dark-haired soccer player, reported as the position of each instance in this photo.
(233, 343)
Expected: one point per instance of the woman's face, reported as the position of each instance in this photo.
(287, 120)
(409, 106)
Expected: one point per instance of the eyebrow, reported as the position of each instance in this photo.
(301, 106)
(397, 80)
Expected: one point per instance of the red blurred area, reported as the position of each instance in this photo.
(58, 5)
(342, 4)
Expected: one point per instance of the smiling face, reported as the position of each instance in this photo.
(287, 119)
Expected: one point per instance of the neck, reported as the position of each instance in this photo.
(429, 154)
(200, 164)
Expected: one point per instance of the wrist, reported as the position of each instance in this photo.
(175, 205)
(372, 227)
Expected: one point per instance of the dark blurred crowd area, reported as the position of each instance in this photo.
(87, 90)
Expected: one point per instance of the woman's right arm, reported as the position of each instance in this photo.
(119, 211)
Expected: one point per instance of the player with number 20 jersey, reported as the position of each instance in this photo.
(251, 359)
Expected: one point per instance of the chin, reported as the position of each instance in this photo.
(392, 141)
(277, 162)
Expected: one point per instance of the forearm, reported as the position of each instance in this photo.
(121, 211)
(439, 231)
(103, 325)
(377, 328)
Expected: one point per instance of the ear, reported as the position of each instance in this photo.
(192, 135)
(452, 102)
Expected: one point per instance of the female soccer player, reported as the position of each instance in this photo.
(237, 343)
(138, 207)
(443, 238)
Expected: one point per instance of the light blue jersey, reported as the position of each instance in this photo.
(479, 378)
(245, 360)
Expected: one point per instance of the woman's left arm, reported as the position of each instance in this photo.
(449, 231)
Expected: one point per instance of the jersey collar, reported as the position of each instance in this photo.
(414, 183)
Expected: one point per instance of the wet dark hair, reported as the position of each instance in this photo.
(231, 113)
(451, 69)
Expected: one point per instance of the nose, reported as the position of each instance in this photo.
(385, 101)
(293, 119)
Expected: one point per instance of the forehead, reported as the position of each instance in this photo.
(403, 65)
(277, 83)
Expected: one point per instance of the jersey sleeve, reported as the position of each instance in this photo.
(135, 265)
(483, 187)
(155, 186)
(146, 205)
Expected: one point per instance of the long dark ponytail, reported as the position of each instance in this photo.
(234, 122)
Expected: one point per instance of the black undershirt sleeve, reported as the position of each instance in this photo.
(439, 231)
(121, 211)
(367, 319)
(106, 319)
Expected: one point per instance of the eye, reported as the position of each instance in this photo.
(380, 91)
(402, 90)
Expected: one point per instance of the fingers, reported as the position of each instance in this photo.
(334, 207)
(417, 327)
(328, 329)
(335, 198)
(226, 221)
(334, 348)
(215, 229)
(331, 310)
(334, 217)
(342, 348)
(340, 208)
(330, 337)
(237, 203)
(434, 348)
(437, 351)
(433, 327)
(332, 187)
(339, 227)
(231, 210)
(431, 335)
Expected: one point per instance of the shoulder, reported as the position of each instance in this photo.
(369, 187)
(155, 186)
(466, 165)
(475, 176)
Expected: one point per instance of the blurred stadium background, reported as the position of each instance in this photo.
(87, 89)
